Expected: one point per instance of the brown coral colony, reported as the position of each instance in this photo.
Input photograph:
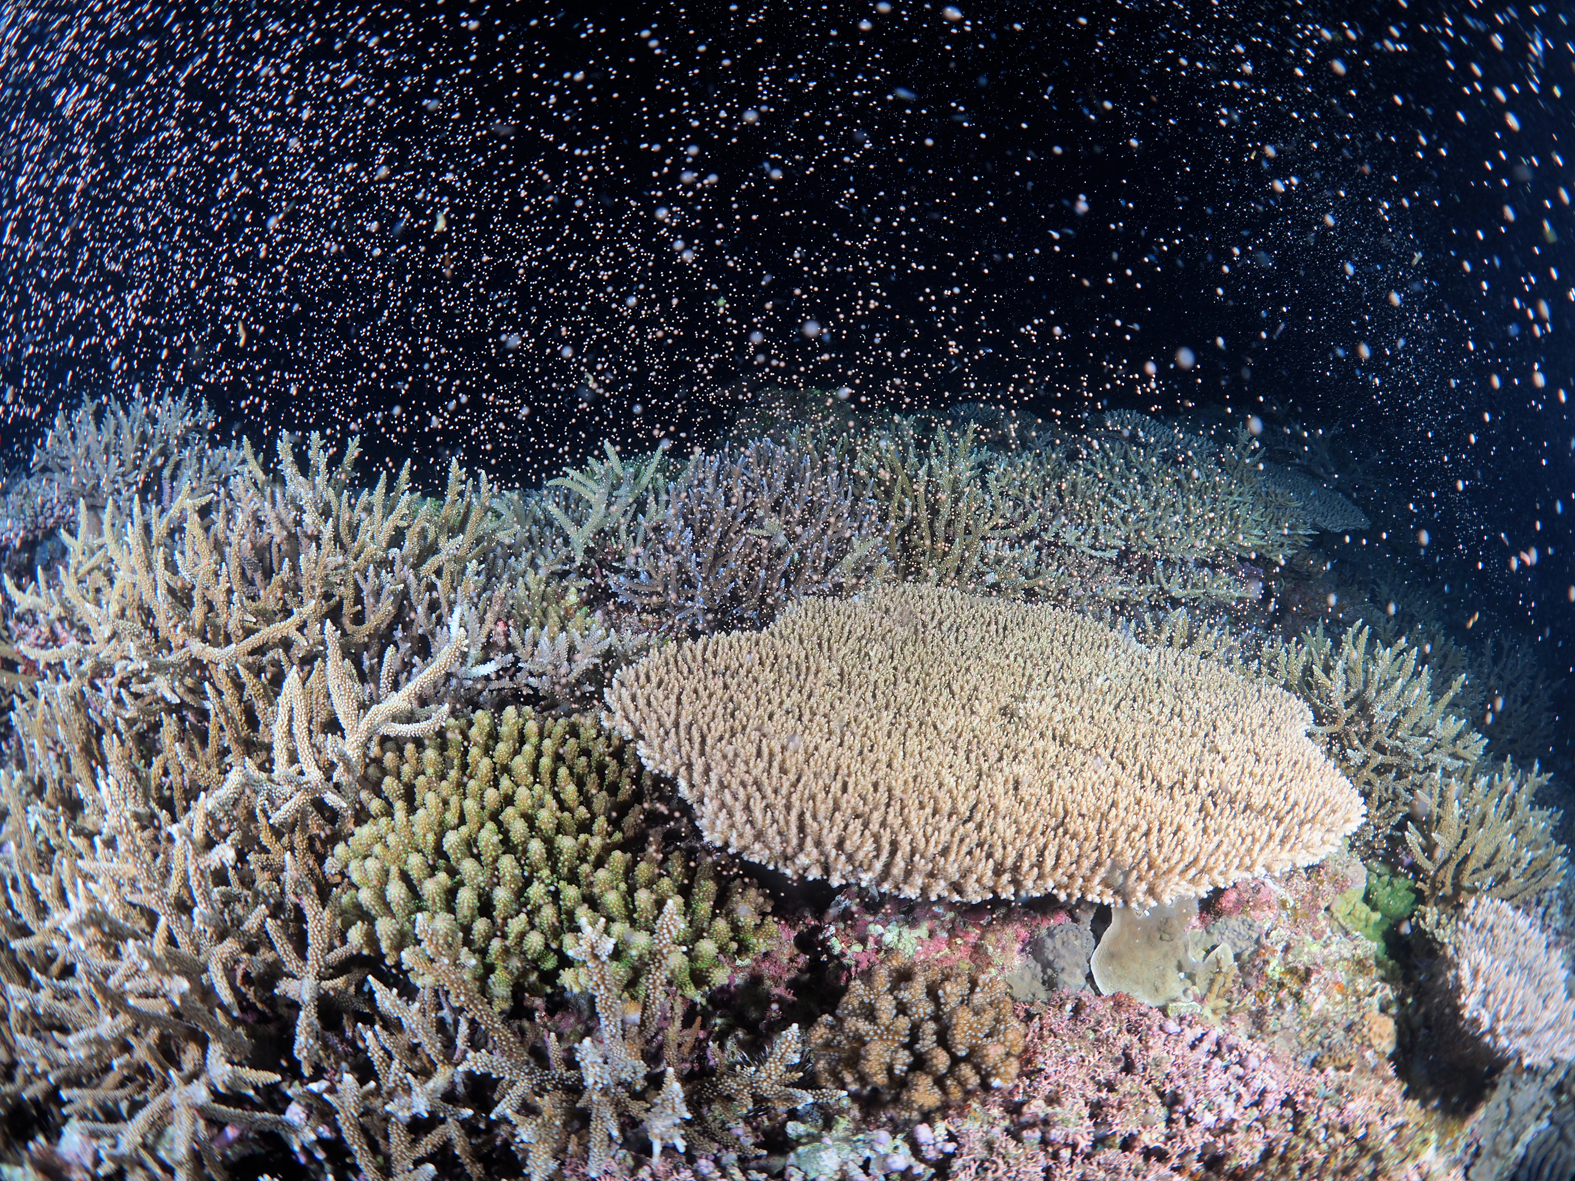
(932, 744)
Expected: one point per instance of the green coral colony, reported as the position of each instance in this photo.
(508, 833)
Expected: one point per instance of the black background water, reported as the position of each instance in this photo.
(463, 230)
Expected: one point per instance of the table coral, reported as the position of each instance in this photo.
(941, 745)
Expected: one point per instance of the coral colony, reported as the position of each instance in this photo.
(949, 796)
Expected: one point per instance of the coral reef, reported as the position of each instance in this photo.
(939, 745)
(1113, 1088)
(950, 518)
(919, 1036)
(729, 537)
(506, 832)
(319, 859)
(1483, 835)
(113, 453)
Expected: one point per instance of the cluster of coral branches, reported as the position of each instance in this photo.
(316, 849)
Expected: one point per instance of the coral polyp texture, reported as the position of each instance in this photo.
(506, 832)
(933, 744)
(920, 1036)
(1511, 984)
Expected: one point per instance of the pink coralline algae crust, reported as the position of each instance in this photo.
(1112, 1088)
(938, 933)
(1310, 990)
(1254, 899)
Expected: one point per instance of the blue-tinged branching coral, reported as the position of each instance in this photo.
(504, 832)
(1379, 718)
(1483, 834)
(940, 745)
(1509, 983)
(1509, 694)
(728, 538)
(741, 533)
(112, 452)
(724, 540)
(920, 1036)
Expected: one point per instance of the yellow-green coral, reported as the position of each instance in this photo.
(505, 831)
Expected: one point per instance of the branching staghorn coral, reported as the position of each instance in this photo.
(611, 494)
(1482, 834)
(949, 518)
(724, 541)
(1177, 505)
(129, 938)
(1509, 983)
(504, 832)
(1512, 693)
(197, 628)
(146, 450)
(603, 1082)
(1378, 716)
(740, 534)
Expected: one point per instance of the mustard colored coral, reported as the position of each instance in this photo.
(932, 744)
(505, 832)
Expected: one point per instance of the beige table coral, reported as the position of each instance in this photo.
(938, 745)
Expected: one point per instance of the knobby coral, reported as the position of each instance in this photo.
(919, 1036)
(505, 832)
(933, 744)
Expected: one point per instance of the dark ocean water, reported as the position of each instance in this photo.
(509, 233)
